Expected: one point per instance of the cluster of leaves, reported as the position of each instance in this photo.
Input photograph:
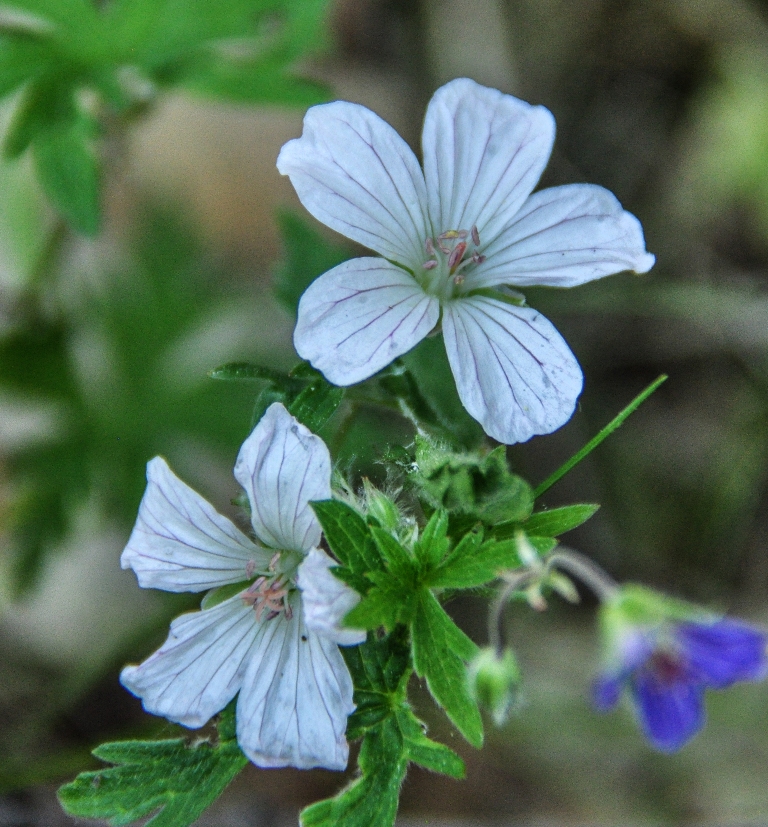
(81, 64)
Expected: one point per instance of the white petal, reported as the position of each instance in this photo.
(483, 154)
(356, 318)
(563, 237)
(326, 600)
(180, 543)
(200, 667)
(283, 466)
(295, 700)
(514, 372)
(353, 172)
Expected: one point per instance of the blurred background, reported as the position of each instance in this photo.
(105, 345)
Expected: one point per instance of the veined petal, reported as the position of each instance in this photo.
(354, 173)
(514, 372)
(283, 466)
(200, 667)
(670, 713)
(483, 154)
(356, 318)
(180, 543)
(295, 700)
(326, 600)
(563, 237)
(723, 652)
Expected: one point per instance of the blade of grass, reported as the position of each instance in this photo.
(599, 437)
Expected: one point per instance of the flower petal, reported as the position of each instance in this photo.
(180, 543)
(670, 712)
(606, 691)
(563, 237)
(514, 372)
(724, 652)
(356, 318)
(283, 466)
(200, 667)
(483, 154)
(326, 600)
(354, 173)
(295, 699)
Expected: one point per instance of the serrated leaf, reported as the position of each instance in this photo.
(386, 604)
(316, 403)
(372, 800)
(440, 653)
(348, 536)
(433, 543)
(557, 521)
(69, 174)
(400, 563)
(307, 255)
(171, 778)
(474, 563)
(424, 751)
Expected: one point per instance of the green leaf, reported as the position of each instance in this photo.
(348, 536)
(22, 59)
(246, 371)
(440, 653)
(69, 174)
(400, 563)
(386, 604)
(474, 563)
(433, 543)
(317, 403)
(372, 800)
(307, 255)
(46, 104)
(172, 778)
(426, 752)
(557, 521)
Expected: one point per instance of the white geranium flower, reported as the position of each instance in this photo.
(295, 689)
(453, 239)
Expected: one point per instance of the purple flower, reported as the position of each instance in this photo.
(667, 668)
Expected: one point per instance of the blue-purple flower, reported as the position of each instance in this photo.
(668, 654)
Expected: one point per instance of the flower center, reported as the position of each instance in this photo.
(447, 257)
(270, 592)
(666, 668)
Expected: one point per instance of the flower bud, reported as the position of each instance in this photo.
(494, 681)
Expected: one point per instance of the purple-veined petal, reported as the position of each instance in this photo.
(201, 665)
(671, 712)
(356, 318)
(326, 600)
(606, 691)
(514, 372)
(483, 154)
(564, 237)
(283, 466)
(295, 700)
(180, 543)
(354, 173)
(723, 652)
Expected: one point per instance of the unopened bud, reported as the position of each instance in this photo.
(494, 682)
(380, 507)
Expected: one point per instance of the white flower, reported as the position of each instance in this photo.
(454, 238)
(295, 689)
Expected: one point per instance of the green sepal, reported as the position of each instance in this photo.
(174, 779)
(222, 593)
(248, 372)
(440, 654)
(557, 521)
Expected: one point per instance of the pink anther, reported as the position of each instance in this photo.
(430, 265)
(457, 254)
(475, 236)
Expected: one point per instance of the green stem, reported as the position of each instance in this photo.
(596, 440)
